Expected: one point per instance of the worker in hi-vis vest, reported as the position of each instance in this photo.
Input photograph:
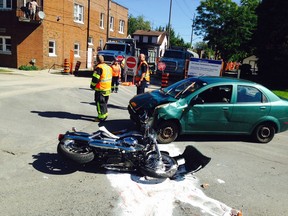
(142, 74)
(101, 83)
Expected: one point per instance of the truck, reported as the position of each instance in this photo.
(176, 60)
(118, 48)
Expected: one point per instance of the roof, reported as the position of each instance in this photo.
(149, 33)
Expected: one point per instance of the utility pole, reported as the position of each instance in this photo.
(108, 21)
(192, 32)
(169, 24)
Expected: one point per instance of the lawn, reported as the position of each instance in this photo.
(280, 93)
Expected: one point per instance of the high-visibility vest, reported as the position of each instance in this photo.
(139, 72)
(105, 79)
(116, 70)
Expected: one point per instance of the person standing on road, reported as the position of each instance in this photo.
(116, 74)
(142, 74)
(101, 83)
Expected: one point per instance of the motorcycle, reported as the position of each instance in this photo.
(127, 151)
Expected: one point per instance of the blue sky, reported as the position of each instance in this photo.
(157, 12)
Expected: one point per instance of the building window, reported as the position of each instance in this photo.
(90, 41)
(121, 26)
(78, 13)
(5, 4)
(145, 39)
(101, 21)
(77, 50)
(111, 24)
(101, 43)
(5, 44)
(52, 48)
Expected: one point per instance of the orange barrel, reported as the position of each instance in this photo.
(77, 66)
(66, 66)
(164, 80)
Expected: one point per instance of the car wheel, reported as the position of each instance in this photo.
(167, 132)
(264, 133)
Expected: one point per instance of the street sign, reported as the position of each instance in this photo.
(131, 62)
(130, 65)
(204, 67)
(161, 66)
(119, 58)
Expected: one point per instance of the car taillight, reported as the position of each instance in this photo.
(60, 137)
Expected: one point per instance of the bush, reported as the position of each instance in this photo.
(28, 67)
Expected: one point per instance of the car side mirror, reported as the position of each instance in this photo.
(197, 100)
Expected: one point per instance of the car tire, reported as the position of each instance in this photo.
(264, 133)
(167, 132)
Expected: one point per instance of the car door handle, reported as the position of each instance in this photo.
(225, 108)
(262, 108)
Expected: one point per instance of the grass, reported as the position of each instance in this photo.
(283, 94)
(4, 70)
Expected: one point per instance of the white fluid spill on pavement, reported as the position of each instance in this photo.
(147, 197)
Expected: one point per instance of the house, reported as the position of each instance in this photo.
(152, 44)
(61, 30)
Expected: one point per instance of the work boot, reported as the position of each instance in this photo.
(100, 119)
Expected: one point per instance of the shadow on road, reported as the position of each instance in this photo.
(64, 115)
(54, 164)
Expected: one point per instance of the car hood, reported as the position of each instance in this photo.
(150, 100)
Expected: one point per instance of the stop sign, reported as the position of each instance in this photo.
(119, 58)
(131, 62)
(161, 66)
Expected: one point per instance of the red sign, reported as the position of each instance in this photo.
(161, 66)
(131, 62)
(119, 58)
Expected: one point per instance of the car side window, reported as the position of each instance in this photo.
(249, 94)
(217, 94)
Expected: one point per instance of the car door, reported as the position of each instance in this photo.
(214, 114)
(250, 105)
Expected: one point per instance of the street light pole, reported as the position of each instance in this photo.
(108, 21)
(169, 24)
(192, 32)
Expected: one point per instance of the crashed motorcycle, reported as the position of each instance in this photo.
(127, 151)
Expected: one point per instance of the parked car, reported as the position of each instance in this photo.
(213, 105)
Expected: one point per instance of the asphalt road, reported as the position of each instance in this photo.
(37, 106)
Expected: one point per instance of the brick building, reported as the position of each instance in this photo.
(61, 30)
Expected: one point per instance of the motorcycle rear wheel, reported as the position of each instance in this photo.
(78, 154)
(151, 169)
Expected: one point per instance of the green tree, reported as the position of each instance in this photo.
(271, 39)
(227, 27)
(137, 23)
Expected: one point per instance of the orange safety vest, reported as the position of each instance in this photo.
(116, 70)
(105, 80)
(139, 72)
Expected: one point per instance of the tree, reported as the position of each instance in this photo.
(227, 27)
(137, 23)
(271, 39)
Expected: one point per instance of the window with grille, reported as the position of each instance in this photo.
(76, 49)
(78, 13)
(101, 21)
(121, 26)
(52, 48)
(111, 24)
(5, 4)
(5, 44)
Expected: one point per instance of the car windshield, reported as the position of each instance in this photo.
(183, 88)
(174, 54)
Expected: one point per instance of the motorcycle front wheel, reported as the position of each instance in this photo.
(166, 168)
(76, 153)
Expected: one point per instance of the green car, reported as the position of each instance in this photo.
(213, 105)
